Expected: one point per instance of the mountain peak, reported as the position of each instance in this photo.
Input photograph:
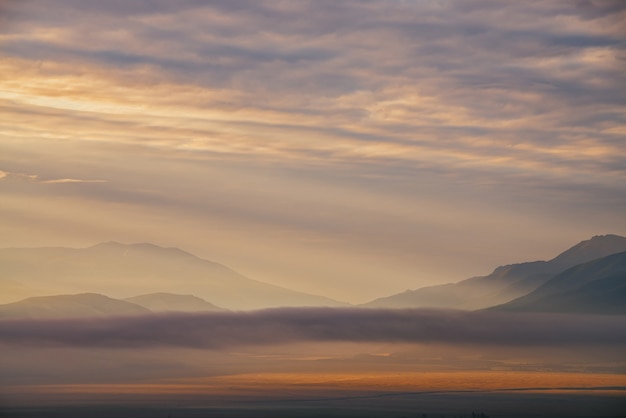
(597, 286)
(597, 246)
(505, 282)
(71, 306)
(118, 270)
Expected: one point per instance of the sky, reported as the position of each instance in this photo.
(350, 149)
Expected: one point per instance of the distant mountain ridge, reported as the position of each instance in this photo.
(92, 305)
(597, 247)
(587, 277)
(170, 302)
(122, 270)
(85, 305)
(597, 286)
(505, 283)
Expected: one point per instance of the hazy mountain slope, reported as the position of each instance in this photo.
(505, 282)
(596, 247)
(598, 286)
(170, 302)
(68, 306)
(126, 270)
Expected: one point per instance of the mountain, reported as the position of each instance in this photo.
(592, 249)
(122, 271)
(70, 306)
(505, 283)
(598, 286)
(170, 302)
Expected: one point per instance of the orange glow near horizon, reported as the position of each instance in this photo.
(328, 383)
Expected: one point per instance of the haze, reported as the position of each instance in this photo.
(351, 150)
(312, 208)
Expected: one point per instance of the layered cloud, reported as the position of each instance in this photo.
(279, 326)
(443, 84)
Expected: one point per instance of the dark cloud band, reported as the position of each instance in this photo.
(276, 326)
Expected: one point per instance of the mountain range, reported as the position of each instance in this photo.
(90, 305)
(590, 277)
(505, 283)
(170, 302)
(597, 286)
(70, 306)
(122, 271)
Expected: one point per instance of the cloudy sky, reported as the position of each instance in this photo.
(352, 149)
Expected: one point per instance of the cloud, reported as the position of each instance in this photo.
(34, 178)
(57, 181)
(285, 325)
(7, 176)
(318, 64)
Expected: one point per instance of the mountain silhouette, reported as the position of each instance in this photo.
(505, 283)
(170, 302)
(121, 271)
(70, 306)
(597, 286)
